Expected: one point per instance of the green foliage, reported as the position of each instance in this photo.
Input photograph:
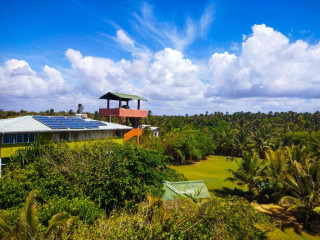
(233, 133)
(86, 210)
(291, 175)
(231, 218)
(303, 181)
(249, 172)
(28, 224)
(187, 145)
(104, 172)
(59, 226)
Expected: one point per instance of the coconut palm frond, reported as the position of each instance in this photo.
(316, 210)
(289, 200)
(57, 220)
(28, 219)
(4, 226)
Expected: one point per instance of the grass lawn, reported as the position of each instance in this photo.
(214, 170)
(290, 234)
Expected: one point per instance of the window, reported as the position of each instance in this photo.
(26, 137)
(32, 137)
(18, 138)
(7, 138)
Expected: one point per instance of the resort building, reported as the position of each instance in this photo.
(16, 133)
(20, 132)
(155, 130)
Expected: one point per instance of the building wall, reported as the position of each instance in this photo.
(6, 150)
(82, 135)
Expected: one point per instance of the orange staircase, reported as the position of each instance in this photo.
(132, 133)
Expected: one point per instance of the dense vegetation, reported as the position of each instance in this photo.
(99, 191)
(232, 133)
(97, 188)
(104, 172)
(280, 154)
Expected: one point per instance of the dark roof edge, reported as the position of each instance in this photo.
(123, 96)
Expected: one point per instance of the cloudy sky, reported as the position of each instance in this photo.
(185, 57)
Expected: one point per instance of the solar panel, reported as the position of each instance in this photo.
(60, 122)
(98, 123)
(41, 117)
(87, 124)
(51, 123)
(68, 122)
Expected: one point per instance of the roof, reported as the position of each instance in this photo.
(195, 189)
(152, 128)
(122, 96)
(27, 124)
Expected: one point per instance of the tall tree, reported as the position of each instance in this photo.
(249, 172)
(80, 108)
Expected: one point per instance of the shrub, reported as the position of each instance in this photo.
(86, 210)
(103, 172)
(231, 218)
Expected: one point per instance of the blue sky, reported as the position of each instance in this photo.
(184, 56)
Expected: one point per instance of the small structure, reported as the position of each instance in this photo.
(155, 130)
(189, 189)
(124, 112)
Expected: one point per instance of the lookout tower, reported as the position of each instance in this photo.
(124, 112)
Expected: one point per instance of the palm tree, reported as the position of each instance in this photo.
(58, 225)
(51, 111)
(149, 114)
(28, 224)
(276, 170)
(71, 112)
(241, 140)
(249, 172)
(261, 139)
(5, 228)
(297, 153)
(304, 183)
(80, 108)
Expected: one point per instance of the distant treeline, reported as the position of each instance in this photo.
(231, 134)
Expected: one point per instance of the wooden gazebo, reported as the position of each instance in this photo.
(124, 112)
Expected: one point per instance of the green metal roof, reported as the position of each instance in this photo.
(125, 97)
(195, 189)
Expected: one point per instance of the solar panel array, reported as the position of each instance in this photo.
(59, 122)
(84, 123)
(51, 123)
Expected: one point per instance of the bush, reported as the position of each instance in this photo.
(103, 172)
(188, 145)
(86, 210)
(231, 218)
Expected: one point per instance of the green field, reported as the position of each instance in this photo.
(214, 170)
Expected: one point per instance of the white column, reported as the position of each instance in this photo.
(1, 166)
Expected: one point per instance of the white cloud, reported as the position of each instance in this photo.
(123, 38)
(268, 66)
(18, 80)
(173, 77)
(269, 73)
(205, 21)
(167, 75)
(99, 75)
(167, 33)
